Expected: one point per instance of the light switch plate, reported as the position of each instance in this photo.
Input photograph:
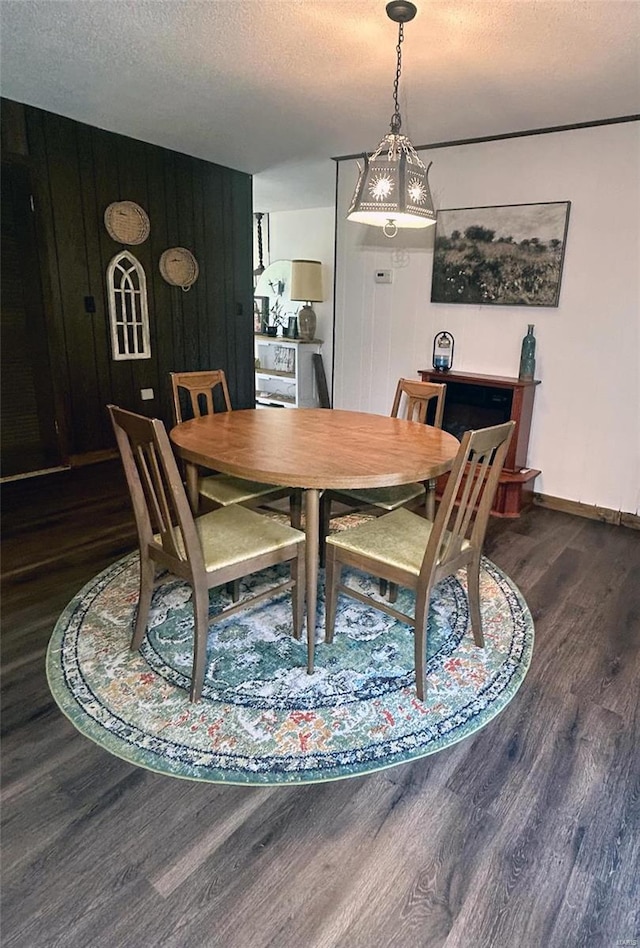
(146, 394)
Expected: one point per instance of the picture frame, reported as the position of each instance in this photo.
(503, 255)
(260, 313)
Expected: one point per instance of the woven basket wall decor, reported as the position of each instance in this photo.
(179, 267)
(127, 222)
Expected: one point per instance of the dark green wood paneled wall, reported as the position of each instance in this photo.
(77, 170)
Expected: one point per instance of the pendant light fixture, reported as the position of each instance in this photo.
(393, 187)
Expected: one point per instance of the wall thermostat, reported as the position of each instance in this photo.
(384, 276)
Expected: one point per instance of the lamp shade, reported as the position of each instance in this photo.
(306, 281)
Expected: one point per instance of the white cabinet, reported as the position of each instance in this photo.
(284, 372)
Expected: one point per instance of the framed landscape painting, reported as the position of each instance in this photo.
(509, 255)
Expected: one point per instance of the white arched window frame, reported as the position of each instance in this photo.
(128, 310)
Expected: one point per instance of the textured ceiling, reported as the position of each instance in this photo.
(278, 87)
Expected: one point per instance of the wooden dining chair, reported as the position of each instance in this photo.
(214, 549)
(206, 392)
(411, 401)
(412, 551)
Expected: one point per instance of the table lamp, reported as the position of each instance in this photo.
(306, 285)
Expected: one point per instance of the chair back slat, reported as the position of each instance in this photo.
(163, 508)
(477, 472)
(416, 410)
(199, 389)
(196, 398)
(157, 493)
(148, 486)
(464, 510)
(495, 456)
(414, 397)
(454, 536)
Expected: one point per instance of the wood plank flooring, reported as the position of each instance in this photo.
(525, 835)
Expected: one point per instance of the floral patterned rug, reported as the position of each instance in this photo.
(262, 719)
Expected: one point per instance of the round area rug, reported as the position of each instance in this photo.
(262, 719)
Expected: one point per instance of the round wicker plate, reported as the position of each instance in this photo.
(179, 267)
(127, 222)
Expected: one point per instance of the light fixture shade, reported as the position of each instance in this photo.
(393, 187)
(306, 281)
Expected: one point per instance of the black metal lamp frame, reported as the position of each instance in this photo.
(441, 361)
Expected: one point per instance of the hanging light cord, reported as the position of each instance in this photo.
(396, 118)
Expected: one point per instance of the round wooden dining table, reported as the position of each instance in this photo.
(315, 449)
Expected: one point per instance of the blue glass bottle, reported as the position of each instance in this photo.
(528, 355)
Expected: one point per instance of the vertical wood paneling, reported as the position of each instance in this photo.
(190, 312)
(48, 262)
(70, 250)
(107, 185)
(151, 376)
(214, 262)
(160, 314)
(173, 300)
(14, 129)
(132, 176)
(201, 288)
(93, 215)
(28, 419)
(78, 171)
(227, 280)
(240, 321)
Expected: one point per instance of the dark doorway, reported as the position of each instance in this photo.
(29, 438)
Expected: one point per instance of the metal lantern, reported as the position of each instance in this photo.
(443, 346)
(393, 186)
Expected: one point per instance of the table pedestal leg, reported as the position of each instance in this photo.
(191, 477)
(312, 511)
(430, 500)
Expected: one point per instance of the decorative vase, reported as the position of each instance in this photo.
(307, 323)
(528, 355)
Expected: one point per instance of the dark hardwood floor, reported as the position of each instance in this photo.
(524, 835)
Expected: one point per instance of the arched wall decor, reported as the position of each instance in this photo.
(128, 310)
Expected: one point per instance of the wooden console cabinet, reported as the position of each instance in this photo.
(477, 401)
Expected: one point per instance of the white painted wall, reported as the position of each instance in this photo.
(309, 235)
(586, 425)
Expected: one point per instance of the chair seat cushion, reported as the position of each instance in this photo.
(223, 489)
(389, 498)
(399, 539)
(232, 534)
